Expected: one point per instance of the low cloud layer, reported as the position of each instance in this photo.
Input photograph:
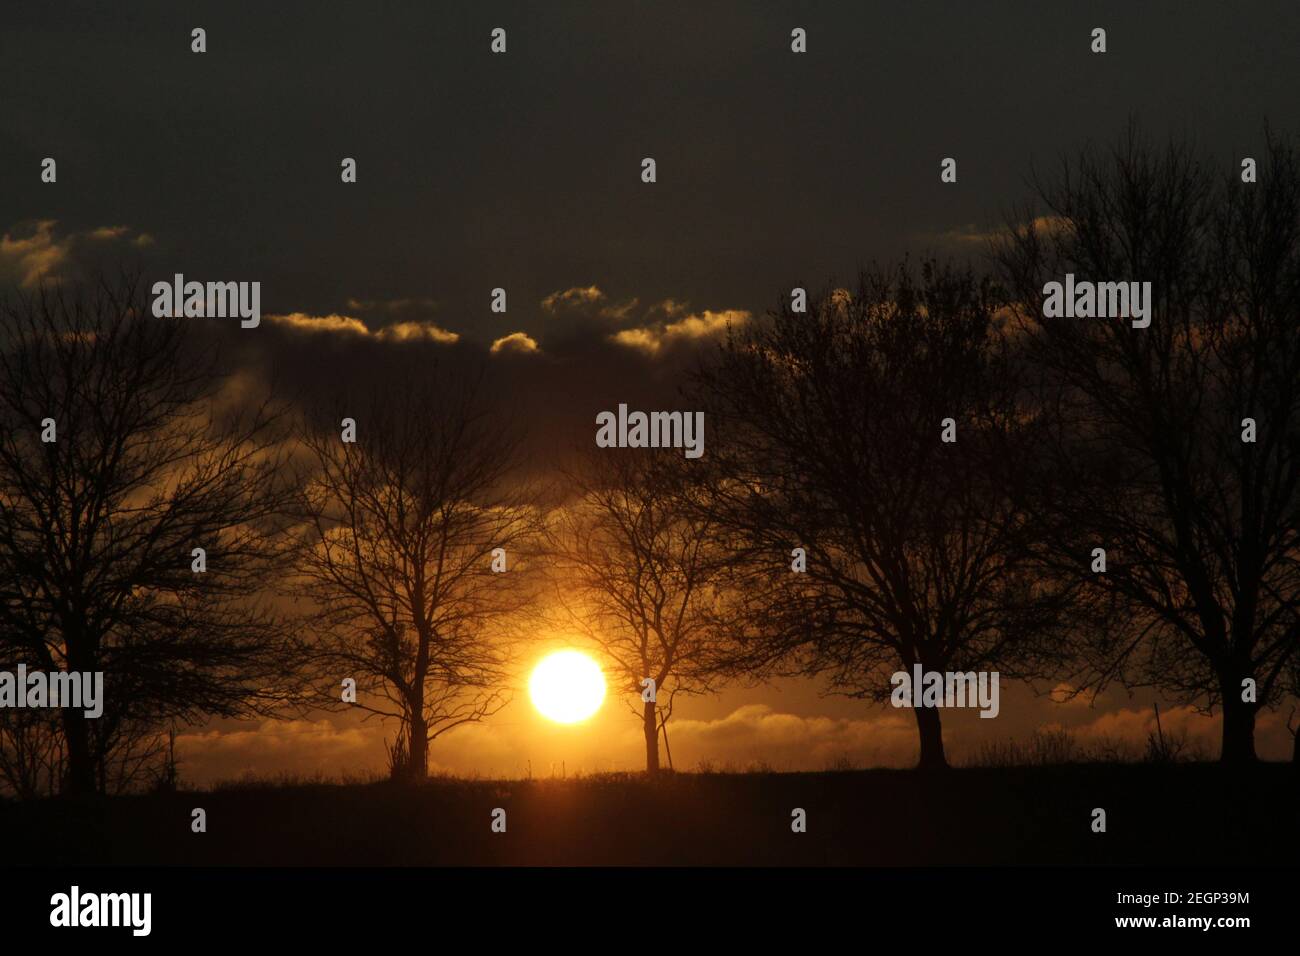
(349, 325)
(745, 736)
(40, 251)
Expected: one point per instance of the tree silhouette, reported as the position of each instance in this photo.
(397, 558)
(151, 458)
(1146, 456)
(828, 437)
(636, 568)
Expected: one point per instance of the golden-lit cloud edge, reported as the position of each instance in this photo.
(35, 252)
(654, 338)
(518, 343)
(350, 325)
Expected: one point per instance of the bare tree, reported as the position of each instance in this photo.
(828, 429)
(636, 567)
(402, 526)
(31, 753)
(120, 453)
(1149, 456)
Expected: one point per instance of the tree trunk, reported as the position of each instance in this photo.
(650, 724)
(418, 767)
(1238, 724)
(79, 778)
(930, 728)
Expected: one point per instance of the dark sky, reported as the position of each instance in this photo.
(522, 170)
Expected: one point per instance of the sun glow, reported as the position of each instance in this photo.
(567, 687)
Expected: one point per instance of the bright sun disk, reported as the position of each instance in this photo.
(567, 687)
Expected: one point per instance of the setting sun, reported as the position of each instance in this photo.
(567, 687)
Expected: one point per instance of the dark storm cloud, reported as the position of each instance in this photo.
(521, 171)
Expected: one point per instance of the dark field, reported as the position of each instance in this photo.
(1198, 814)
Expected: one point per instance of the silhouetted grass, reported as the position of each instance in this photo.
(1168, 813)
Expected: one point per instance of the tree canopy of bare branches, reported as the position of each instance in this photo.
(1148, 456)
(398, 552)
(917, 549)
(636, 566)
(122, 449)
